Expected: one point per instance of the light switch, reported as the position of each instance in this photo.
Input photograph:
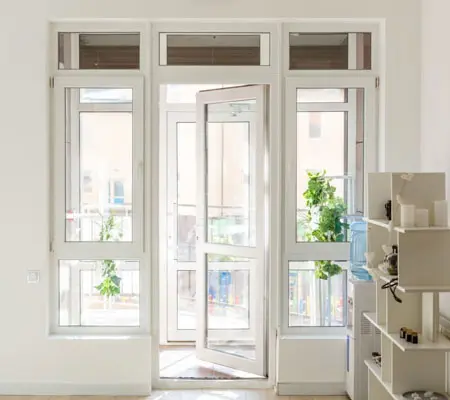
(33, 276)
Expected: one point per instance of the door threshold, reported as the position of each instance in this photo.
(197, 384)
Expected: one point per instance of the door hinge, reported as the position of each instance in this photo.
(50, 246)
(52, 82)
(377, 82)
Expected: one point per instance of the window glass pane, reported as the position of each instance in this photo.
(230, 174)
(330, 169)
(228, 305)
(330, 51)
(187, 194)
(322, 95)
(98, 50)
(105, 95)
(98, 293)
(217, 49)
(313, 301)
(98, 173)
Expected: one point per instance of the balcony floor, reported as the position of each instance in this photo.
(180, 362)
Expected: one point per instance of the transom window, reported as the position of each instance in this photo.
(214, 49)
(313, 51)
(102, 51)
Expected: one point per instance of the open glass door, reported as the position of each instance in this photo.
(231, 328)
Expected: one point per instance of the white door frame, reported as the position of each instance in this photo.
(223, 75)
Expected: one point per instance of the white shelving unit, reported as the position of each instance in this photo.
(423, 272)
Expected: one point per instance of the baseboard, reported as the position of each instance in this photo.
(311, 389)
(73, 389)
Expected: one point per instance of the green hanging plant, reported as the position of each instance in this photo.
(110, 285)
(324, 218)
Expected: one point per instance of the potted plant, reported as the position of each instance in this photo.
(110, 284)
(324, 218)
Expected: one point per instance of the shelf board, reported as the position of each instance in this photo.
(376, 370)
(379, 222)
(372, 317)
(416, 289)
(384, 223)
(418, 229)
(387, 278)
(442, 344)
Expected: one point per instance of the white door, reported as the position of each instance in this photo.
(231, 229)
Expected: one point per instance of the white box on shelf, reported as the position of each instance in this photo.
(441, 213)
(407, 215)
(422, 219)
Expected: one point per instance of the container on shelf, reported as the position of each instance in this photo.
(422, 218)
(407, 215)
(441, 213)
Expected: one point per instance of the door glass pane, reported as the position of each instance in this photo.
(313, 301)
(330, 167)
(98, 173)
(216, 49)
(230, 194)
(186, 310)
(186, 186)
(228, 305)
(330, 51)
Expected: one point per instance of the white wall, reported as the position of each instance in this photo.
(311, 366)
(435, 136)
(28, 357)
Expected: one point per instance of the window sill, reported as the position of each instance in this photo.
(81, 336)
(309, 336)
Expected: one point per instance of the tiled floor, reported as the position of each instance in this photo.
(181, 362)
(188, 395)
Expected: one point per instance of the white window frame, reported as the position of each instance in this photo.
(291, 250)
(306, 251)
(142, 251)
(62, 250)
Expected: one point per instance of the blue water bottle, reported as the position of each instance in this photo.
(358, 244)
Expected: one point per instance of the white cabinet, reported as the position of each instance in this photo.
(362, 337)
